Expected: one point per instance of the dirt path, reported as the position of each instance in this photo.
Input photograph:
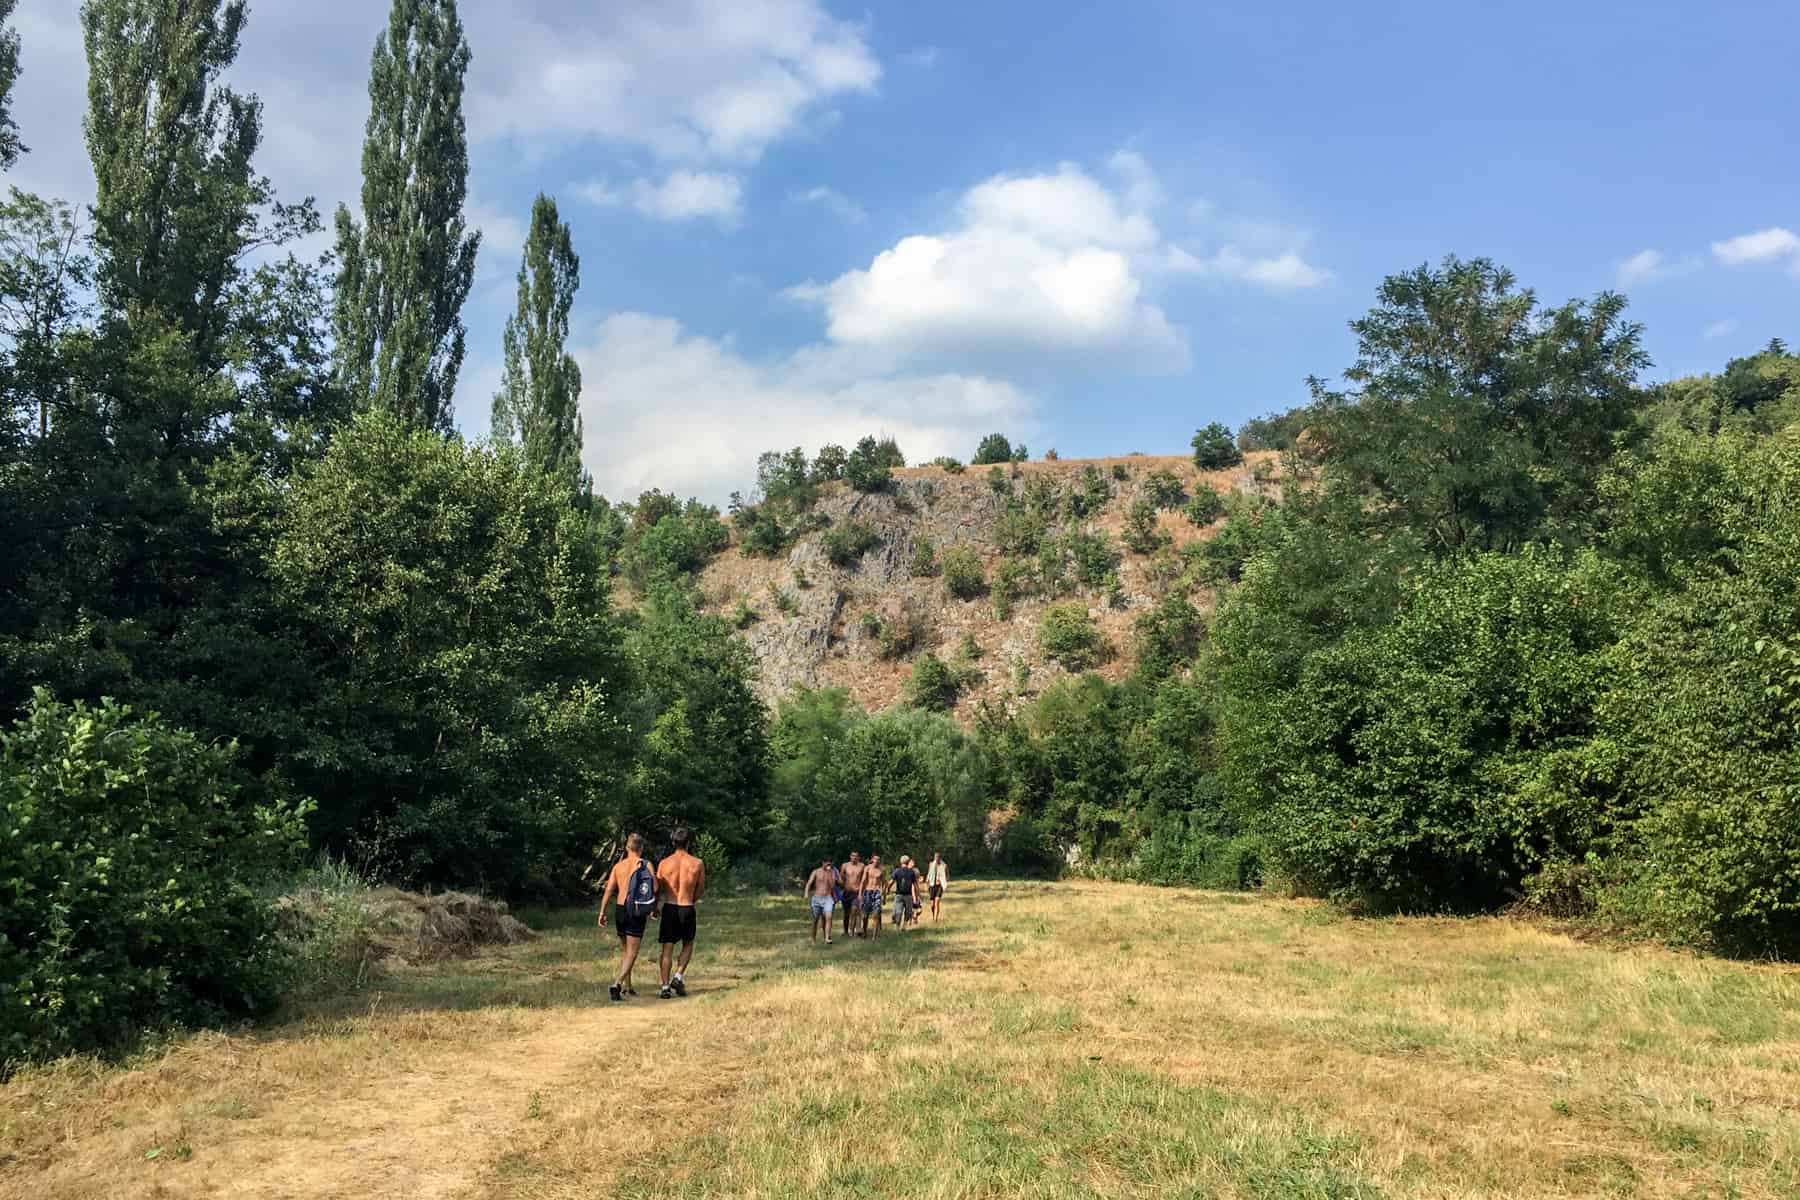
(422, 1105)
(428, 1133)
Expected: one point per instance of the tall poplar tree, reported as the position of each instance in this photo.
(175, 199)
(10, 148)
(406, 269)
(540, 392)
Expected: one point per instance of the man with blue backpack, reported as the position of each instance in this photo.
(633, 882)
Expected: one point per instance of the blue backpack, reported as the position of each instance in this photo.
(640, 890)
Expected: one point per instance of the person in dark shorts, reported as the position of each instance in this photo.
(871, 898)
(631, 929)
(937, 874)
(849, 898)
(680, 883)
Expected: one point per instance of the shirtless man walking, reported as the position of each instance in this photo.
(631, 928)
(850, 893)
(871, 898)
(821, 895)
(680, 881)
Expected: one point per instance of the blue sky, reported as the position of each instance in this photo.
(1095, 227)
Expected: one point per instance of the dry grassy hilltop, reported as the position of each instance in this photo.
(808, 620)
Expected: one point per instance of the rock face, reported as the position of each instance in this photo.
(810, 626)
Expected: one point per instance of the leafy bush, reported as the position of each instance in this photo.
(948, 464)
(1120, 473)
(900, 635)
(849, 541)
(1215, 449)
(829, 464)
(711, 851)
(1205, 507)
(1095, 557)
(964, 577)
(869, 467)
(1070, 637)
(1435, 760)
(994, 448)
(130, 868)
(785, 604)
(1164, 490)
(1092, 493)
(1167, 637)
(1012, 581)
(1018, 531)
(998, 483)
(1142, 534)
(744, 614)
(923, 564)
(933, 686)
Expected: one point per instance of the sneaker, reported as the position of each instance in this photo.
(631, 991)
(667, 993)
(681, 987)
(616, 992)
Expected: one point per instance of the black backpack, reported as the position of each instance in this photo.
(640, 890)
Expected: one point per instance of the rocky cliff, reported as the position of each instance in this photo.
(862, 625)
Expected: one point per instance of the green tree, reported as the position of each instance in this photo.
(1069, 636)
(994, 448)
(132, 872)
(403, 277)
(10, 146)
(466, 723)
(1215, 449)
(538, 404)
(1479, 419)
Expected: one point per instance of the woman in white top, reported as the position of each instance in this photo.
(937, 874)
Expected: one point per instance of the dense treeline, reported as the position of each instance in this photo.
(1518, 627)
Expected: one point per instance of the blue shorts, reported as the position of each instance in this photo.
(871, 901)
(822, 906)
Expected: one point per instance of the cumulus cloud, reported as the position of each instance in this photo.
(1036, 263)
(1048, 263)
(1765, 245)
(690, 413)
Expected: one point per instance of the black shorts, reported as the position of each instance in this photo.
(679, 923)
(937, 889)
(628, 925)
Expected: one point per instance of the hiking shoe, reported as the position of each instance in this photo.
(667, 993)
(680, 985)
(616, 992)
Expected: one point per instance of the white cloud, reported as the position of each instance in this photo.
(1281, 272)
(1761, 246)
(1065, 210)
(688, 80)
(1054, 263)
(1719, 329)
(834, 202)
(689, 413)
(681, 195)
(1643, 265)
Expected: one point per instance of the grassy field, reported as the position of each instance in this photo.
(1046, 1040)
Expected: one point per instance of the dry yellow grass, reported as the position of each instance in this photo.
(1066, 1040)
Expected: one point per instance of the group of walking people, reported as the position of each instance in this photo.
(669, 893)
(858, 892)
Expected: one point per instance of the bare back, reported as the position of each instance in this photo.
(683, 878)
